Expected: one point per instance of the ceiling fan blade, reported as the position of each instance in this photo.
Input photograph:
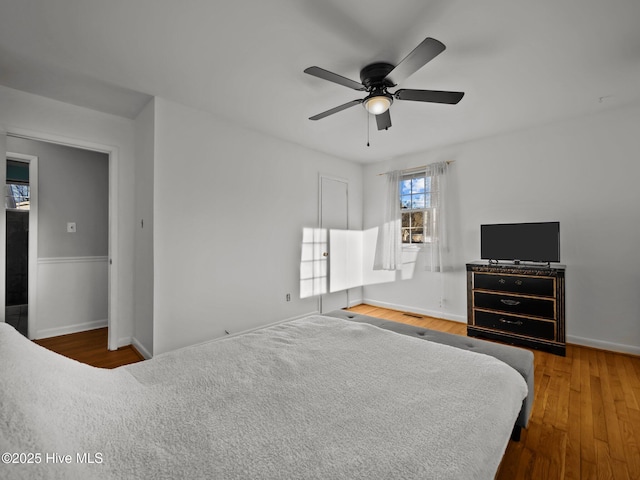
(433, 96)
(334, 77)
(421, 55)
(335, 110)
(383, 120)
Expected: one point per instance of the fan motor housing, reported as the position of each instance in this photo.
(374, 76)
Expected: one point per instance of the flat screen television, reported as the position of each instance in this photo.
(532, 242)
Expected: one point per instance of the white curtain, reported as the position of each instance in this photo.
(436, 253)
(390, 257)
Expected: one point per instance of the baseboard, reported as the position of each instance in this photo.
(421, 311)
(138, 346)
(354, 303)
(602, 345)
(123, 342)
(79, 327)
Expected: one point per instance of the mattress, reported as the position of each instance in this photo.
(315, 398)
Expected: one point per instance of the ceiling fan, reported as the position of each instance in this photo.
(377, 78)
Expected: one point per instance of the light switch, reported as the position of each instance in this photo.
(71, 227)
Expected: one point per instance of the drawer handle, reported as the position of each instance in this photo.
(510, 322)
(502, 281)
(511, 303)
(518, 282)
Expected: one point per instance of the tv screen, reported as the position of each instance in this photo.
(533, 242)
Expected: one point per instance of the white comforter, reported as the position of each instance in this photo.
(317, 398)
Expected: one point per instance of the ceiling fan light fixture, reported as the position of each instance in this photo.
(378, 104)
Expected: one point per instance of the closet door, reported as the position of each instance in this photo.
(334, 221)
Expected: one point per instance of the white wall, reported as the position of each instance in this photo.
(582, 172)
(72, 295)
(229, 208)
(39, 117)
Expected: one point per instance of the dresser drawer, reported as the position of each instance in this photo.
(515, 284)
(520, 326)
(537, 307)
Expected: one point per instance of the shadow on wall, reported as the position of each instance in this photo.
(335, 260)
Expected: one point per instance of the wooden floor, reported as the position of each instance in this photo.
(90, 347)
(585, 422)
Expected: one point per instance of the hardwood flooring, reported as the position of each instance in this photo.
(585, 422)
(90, 347)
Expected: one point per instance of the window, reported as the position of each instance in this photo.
(17, 197)
(416, 208)
(414, 215)
(17, 188)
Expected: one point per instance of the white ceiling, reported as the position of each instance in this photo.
(520, 63)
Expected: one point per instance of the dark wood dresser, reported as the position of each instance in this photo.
(517, 304)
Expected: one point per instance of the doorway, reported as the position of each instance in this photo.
(68, 275)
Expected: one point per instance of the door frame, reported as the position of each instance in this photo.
(113, 270)
(32, 280)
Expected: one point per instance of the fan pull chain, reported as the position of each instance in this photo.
(368, 122)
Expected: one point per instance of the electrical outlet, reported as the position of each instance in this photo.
(71, 227)
(288, 297)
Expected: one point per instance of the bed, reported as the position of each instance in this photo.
(314, 398)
